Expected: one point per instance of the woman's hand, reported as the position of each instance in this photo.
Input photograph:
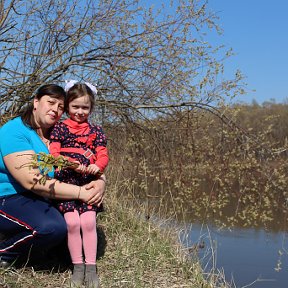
(93, 192)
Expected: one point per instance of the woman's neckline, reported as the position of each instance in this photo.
(43, 138)
(45, 141)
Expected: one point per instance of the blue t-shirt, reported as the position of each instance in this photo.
(15, 136)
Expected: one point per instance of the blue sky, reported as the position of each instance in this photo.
(257, 30)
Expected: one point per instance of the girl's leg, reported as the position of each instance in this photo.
(75, 247)
(74, 236)
(30, 224)
(89, 234)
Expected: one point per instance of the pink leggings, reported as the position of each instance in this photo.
(86, 222)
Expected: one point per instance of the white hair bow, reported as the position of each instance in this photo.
(92, 87)
(70, 83)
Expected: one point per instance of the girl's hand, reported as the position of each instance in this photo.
(80, 168)
(92, 169)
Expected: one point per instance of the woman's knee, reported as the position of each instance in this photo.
(61, 228)
(54, 230)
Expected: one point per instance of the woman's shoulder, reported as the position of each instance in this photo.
(15, 124)
(12, 121)
(15, 136)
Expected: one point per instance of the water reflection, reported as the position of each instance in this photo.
(250, 258)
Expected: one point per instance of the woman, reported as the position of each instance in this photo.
(28, 220)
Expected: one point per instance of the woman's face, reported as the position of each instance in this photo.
(79, 109)
(48, 110)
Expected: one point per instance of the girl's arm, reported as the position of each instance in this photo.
(100, 142)
(102, 157)
(56, 140)
(55, 149)
(18, 165)
(101, 161)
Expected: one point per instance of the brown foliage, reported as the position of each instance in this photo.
(193, 162)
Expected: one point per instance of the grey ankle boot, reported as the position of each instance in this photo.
(91, 277)
(78, 275)
(4, 264)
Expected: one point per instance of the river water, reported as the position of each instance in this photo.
(251, 258)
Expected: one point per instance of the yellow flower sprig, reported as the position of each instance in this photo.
(47, 162)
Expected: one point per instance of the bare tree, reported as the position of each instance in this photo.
(139, 57)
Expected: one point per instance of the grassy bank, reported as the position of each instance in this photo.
(133, 252)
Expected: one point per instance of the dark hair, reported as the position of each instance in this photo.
(76, 91)
(52, 90)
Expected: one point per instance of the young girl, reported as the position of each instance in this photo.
(84, 144)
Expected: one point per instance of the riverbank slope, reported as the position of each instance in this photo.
(133, 252)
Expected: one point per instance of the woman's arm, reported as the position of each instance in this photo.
(18, 165)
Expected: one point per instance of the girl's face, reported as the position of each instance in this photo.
(79, 109)
(48, 110)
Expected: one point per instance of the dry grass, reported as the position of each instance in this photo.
(133, 252)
